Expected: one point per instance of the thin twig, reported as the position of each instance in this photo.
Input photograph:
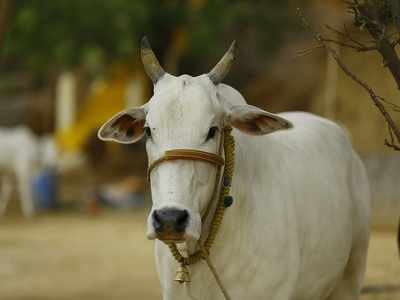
(347, 36)
(307, 51)
(355, 47)
(392, 105)
(350, 36)
(391, 143)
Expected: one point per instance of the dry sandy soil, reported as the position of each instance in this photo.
(71, 256)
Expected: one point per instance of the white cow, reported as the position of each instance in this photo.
(22, 154)
(299, 225)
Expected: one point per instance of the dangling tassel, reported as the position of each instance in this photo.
(182, 274)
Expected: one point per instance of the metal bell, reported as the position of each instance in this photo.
(182, 274)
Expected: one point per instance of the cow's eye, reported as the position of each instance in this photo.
(147, 131)
(211, 133)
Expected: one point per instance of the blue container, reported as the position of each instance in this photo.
(44, 189)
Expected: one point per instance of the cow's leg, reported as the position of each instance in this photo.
(6, 188)
(349, 287)
(25, 191)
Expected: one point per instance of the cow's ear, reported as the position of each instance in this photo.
(126, 127)
(252, 120)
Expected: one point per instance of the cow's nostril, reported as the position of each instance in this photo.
(157, 221)
(181, 220)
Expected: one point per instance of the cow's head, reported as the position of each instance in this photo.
(185, 112)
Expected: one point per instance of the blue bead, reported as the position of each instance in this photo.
(226, 182)
(228, 201)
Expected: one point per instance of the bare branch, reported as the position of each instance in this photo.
(395, 147)
(393, 106)
(391, 143)
(377, 100)
(347, 37)
(355, 47)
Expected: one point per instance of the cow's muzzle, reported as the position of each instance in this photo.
(170, 224)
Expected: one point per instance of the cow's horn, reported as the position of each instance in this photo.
(222, 68)
(150, 61)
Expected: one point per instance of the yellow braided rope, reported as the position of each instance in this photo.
(229, 149)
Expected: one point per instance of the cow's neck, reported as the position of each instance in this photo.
(238, 216)
(241, 220)
(193, 246)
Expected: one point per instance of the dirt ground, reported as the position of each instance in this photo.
(72, 256)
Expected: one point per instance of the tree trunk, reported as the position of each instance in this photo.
(377, 31)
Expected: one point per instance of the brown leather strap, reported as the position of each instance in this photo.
(186, 154)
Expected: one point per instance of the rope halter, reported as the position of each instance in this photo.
(224, 200)
(186, 154)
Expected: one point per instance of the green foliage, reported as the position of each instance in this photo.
(44, 35)
(47, 36)
(259, 27)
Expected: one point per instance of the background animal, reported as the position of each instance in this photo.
(22, 155)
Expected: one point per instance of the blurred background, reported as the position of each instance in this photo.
(73, 208)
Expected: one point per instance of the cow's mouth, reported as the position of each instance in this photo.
(171, 237)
